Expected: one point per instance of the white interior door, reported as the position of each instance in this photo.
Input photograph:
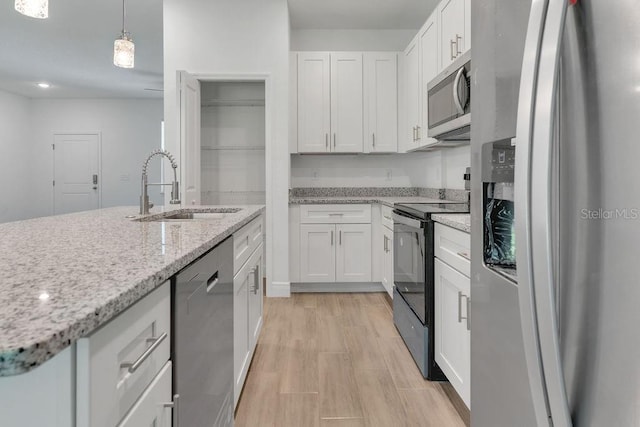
(76, 181)
(189, 138)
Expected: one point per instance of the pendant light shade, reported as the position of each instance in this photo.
(33, 8)
(123, 48)
(124, 51)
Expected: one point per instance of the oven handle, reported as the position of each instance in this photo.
(399, 218)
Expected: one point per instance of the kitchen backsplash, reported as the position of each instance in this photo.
(433, 193)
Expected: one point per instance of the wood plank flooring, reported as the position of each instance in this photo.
(336, 360)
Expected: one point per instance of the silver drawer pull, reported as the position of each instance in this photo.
(387, 217)
(336, 214)
(174, 408)
(464, 255)
(132, 367)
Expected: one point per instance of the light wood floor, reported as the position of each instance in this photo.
(336, 360)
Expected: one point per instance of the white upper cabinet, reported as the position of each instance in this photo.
(381, 102)
(429, 69)
(314, 102)
(412, 78)
(346, 103)
(454, 35)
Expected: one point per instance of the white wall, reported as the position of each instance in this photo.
(229, 37)
(351, 40)
(130, 129)
(15, 146)
(432, 169)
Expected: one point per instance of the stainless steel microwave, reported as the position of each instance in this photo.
(449, 100)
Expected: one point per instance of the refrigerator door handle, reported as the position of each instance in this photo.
(534, 132)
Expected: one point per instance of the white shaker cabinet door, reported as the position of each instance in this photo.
(353, 253)
(452, 31)
(314, 102)
(317, 253)
(381, 102)
(412, 90)
(452, 336)
(150, 409)
(255, 297)
(241, 350)
(429, 63)
(387, 260)
(346, 103)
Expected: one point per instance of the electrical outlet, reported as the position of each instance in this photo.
(389, 174)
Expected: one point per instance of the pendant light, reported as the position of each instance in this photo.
(123, 47)
(33, 8)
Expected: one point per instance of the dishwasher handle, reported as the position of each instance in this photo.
(212, 281)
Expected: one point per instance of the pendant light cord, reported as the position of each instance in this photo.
(123, 18)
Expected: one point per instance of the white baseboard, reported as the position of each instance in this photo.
(338, 287)
(279, 290)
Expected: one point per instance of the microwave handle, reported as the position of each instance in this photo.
(456, 98)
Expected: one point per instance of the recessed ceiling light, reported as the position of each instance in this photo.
(44, 85)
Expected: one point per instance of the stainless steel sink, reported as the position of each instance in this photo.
(208, 214)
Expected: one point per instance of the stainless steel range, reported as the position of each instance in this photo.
(413, 295)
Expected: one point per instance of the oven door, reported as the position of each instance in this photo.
(409, 262)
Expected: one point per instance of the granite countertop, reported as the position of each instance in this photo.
(384, 200)
(461, 222)
(64, 276)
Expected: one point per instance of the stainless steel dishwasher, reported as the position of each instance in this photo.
(202, 347)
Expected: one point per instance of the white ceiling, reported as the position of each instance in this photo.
(73, 50)
(360, 14)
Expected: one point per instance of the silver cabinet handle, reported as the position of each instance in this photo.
(414, 134)
(144, 356)
(458, 40)
(256, 280)
(385, 243)
(340, 237)
(174, 409)
(373, 136)
(468, 313)
(334, 140)
(464, 255)
(460, 316)
(451, 43)
(418, 133)
(331, 237)
(326, 141)
(336, 214)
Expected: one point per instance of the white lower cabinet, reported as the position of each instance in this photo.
(387, 260)
(247, 304)
(152, 408)
(335, 253)
(452, 323)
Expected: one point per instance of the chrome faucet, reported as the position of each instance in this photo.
(145, 204)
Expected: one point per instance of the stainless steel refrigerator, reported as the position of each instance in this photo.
(555, 288)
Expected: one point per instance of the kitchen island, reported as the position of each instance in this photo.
(65, 276)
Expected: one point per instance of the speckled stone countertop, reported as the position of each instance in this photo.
(64, 276)
(387, 201)
(461, 222)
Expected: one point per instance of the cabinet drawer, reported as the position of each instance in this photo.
(246, 240)
(387, 217)
(107, 384)
(149, 410)
(335, 214)
(453, 247)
